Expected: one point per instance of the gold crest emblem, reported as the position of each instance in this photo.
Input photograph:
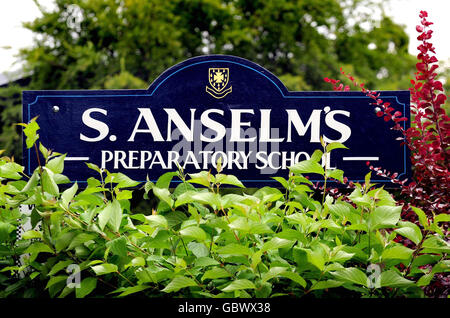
(218, 79)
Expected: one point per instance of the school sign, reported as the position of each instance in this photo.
(210, 107)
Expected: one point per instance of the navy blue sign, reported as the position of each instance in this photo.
(210, 107)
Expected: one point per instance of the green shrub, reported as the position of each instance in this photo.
(199, 242)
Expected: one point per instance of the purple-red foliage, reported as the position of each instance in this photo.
(428, 138)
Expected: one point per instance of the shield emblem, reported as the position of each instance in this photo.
(218, 78)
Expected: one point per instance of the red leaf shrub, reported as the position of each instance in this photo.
(428, 138)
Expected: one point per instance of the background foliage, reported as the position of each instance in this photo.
(105, 44)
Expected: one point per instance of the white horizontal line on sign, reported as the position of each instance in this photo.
(76, 158)
(360, 158)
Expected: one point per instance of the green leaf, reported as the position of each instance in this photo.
(442, 267)
(336, 174)
(198, 249)
(276, 243)
(206, 198)
(136, 262)
(204, 178)
(272, 273)
(5, 229)
(63, 240)
(301, 179)
(301, 188)
(36, 248)
(268, 194)
(283, 181)
(399, 252)
(164, 181)
(229, 200)
(89, 200)
(292, 235)
(157, 221)
(60, 179)
(234, 249)
(30, 132)
(361, 200)
(219, 164)
(178, 283)
(259, 228)
(351, 275)
(435, 244)
(239, 284)
(43, 150)
(327, 284)
(59, 266)
(423, 220)
(317, 155)
(391, 278)
(425, 280)
(229, 179)
(316, 258)
(335, 145)
(122, 180)
(175, 217)
(205, 261)
(299, 218)
(112, 215)
(104, 269)
(256, 259)
(66, 291)
(31, 184)
(11, 170)
(80, 239)
(118, 246)
(215, 273)
(294, 277)
(241, 224)
(94, 262)
(194, 232)
(442, 218)
(123, 194)
(367, 178)
(31, 234)
(148, 186)
(382, 196)
(87, 285)
(384, 217)
(55, 280)
(341, 256)
(56, 165)
(410, 231)
(34, 275)
(68, 195)
(307, 166)
(132, 290)
(93, 167)
(48, 183)
(163, 195)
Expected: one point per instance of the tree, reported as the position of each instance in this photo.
(86, 44)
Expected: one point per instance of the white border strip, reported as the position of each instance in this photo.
(76, 159)
(360, 158)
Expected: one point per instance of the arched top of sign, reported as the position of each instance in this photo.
(219, 62)
(208, 106)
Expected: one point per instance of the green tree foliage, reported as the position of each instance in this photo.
(97, 44)
(11, 111)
